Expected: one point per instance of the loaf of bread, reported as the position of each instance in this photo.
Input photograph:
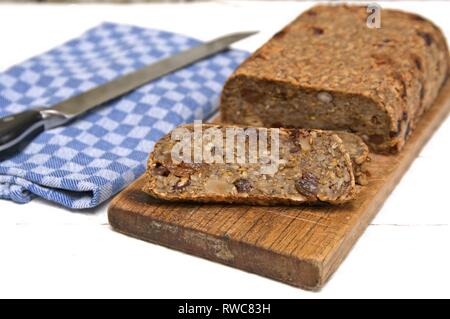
(312, 166)
(329, 70)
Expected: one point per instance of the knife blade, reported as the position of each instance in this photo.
(19, 129)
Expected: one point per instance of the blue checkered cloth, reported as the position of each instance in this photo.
(87, 161)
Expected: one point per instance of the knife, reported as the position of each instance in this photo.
(19, 129)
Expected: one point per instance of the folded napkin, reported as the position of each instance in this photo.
(87, 161)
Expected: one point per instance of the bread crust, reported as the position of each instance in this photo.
(359, 155)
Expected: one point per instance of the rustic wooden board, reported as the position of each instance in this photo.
(301, 246)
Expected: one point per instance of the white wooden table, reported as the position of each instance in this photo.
(48, 251)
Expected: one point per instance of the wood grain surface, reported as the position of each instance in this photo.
(300, 246)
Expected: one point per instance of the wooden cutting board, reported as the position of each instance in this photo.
(300, 246)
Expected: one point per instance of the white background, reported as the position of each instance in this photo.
(48, 251)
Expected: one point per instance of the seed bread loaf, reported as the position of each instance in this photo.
(328, 70)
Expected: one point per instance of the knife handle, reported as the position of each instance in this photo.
(19, 129)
